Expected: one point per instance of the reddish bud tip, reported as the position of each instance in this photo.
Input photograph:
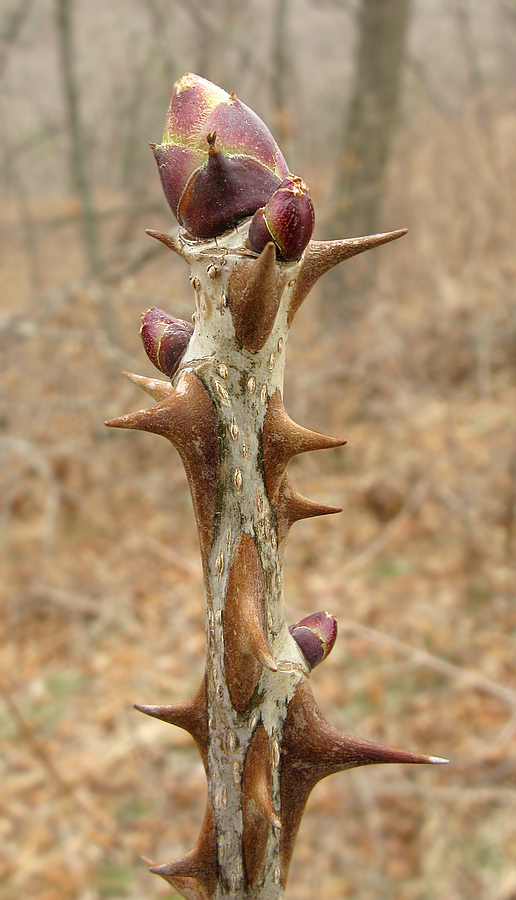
(316, 635)
(165, 339)
(212, 186)
(287, 219)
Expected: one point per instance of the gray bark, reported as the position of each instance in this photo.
(263, 740)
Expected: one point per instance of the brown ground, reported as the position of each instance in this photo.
(101, 593)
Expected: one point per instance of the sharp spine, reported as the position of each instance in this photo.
(321, 256)
(254, 295)
(155, 387)
(190, 716)
(170, 241)
(283, 439)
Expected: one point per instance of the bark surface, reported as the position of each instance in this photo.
(263, 740)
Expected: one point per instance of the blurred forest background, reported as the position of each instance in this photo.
(396, 114)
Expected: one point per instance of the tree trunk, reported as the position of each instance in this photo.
(280, 68)
(372, 115)
(371, 118)
(80, 178)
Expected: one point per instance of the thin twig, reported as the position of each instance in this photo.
(74, 603)
(39, 750)
(35, 745)
(423, 658)
(188, 565)
(363, 558)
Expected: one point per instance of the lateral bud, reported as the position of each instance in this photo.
(316, 635)
(165, 339)
(287, 219)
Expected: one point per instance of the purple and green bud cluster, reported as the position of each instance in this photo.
(219, 164)
(165, 339)
(316, 635)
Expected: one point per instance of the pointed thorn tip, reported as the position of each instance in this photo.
(266, 658)
(156, 387)
(158, 870)
(120, 422)
(155, 711)
(168, 239)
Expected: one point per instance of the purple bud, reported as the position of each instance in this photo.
(223, 192)
(165, 339)
(316, 636)
(211, 187)
(287, 219)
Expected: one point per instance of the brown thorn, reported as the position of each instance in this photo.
(186, 885)
(262, 798)
(246, 649)
(191, 716)
(312, 749)
(321, 256)
(257, 776)
(324, 750)
(264, 268)
(282, 439)
(254, 294)
(291, 506)
(156, 387)
(261, 651)
(141, 420)
(194, 875)
(169, 240)
(187, 418)
(257, 807)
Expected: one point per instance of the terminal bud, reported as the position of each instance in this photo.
(218, 161)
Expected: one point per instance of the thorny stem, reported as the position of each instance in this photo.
(240, 384)
(263, 741)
